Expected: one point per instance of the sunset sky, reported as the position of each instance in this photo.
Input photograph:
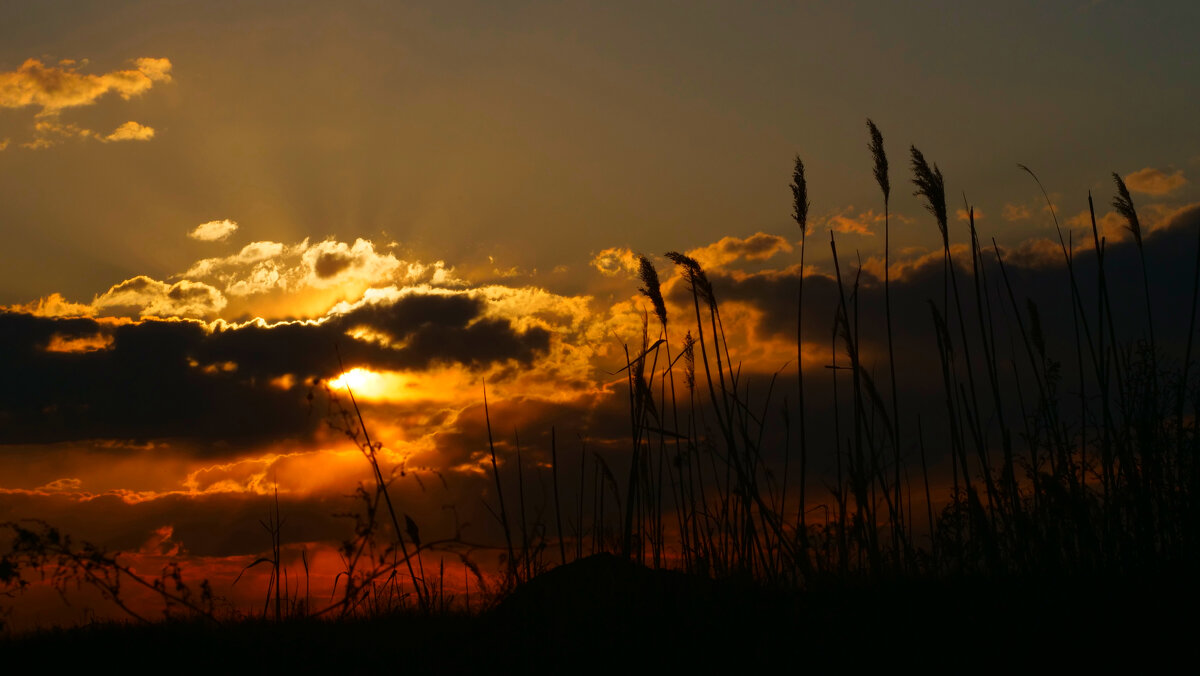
(200, 200)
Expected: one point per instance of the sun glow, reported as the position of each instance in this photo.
(361, 382)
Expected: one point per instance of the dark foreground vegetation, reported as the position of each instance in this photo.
(1070, 525)
(603, 612)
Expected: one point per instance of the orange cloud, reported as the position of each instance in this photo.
(852, 221)
(53, 89)
(1150, 181)
(54, 305)
(1016, 212)
(757, 247)
(848, 222)
(1110, 225)
(131, 131)
(61, 343)
(962, 214)
(615, 261)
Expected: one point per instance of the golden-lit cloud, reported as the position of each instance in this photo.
(565, 367)
(131, 131)
(214, 231)
(757, 247)
(86, 343)
(861, 222)
(616, 261)
(149, 297)
(1110, 225)
(1016, 212)
(53, 305)
(273, 279)
(914, 260)
(1151, 181)
(329, 263)
(55, 88)
(964, 216)
(849, 222)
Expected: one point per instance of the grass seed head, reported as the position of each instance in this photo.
(1123, 203)
(652, 288)
(932, 187)
(881, 163)
(800, 196)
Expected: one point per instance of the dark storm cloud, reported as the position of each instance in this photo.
(175, 379)
(141, 387)
(1170, 254)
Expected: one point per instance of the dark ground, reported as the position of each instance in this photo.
(604, 614)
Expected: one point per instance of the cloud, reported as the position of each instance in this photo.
(331, 262)
(1110, 226)
(615, 261)
(265, 279)
(848, 222)
(1150, 181)
(757, 247)
(53, 305)
(852, 221)
(274, 267)
(149, 297)
(214, 231)
(61, 343)
(84, 378)
(963, 215)
(131, 131)
(1016, 212)
(1038, 252)
(53, 89)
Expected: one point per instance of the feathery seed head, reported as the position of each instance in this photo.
(932, 187)
(652, 288)
(800, 197)
(1123, 203)
(881, 163)
(694, 274)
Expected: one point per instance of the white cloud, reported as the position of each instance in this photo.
(214, 231)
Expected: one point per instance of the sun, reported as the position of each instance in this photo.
(362, 382)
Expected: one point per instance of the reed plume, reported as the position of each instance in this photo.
(799, 196)
(931, 186)
(652, 288)
(881, 163)
(1123, 203)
